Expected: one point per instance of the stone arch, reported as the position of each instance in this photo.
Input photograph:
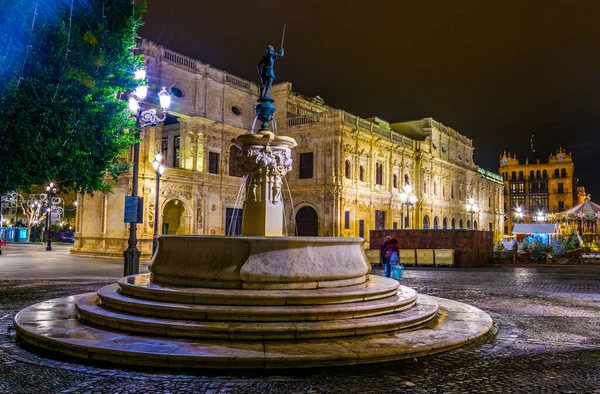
(174, 213)
(460, 224)
(474, 224)
(453, 224)
(307, 221)
(445, 224)
(436, 223)
(425, 222)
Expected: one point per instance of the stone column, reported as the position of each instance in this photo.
(265, 159)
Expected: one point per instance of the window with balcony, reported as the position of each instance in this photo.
(347, 220)
(176, 144)
(379, 174)
(306, 165)
(213, 162)
(234, 153)
(561, 187)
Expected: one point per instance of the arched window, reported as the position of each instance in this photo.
(460, 224)
(426, 222)
(531, 174)
(468, 224)
(361, 173)
(513, 176)
(556, 173)
(474, 224)
(445, 224)
(520, 175)
(435, 223)
(563, 173)
(453, 224)
(234, 153)
(379, 173)
(348, 170)
(544, 174)
(395, 181)
(538, 174)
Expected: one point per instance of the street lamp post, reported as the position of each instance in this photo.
(51, 191)
(472, 208)
(408, 198)
(142, 119)
(159, 168)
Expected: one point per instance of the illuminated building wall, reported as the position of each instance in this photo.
(348, 171)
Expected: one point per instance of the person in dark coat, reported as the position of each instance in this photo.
(383, 259)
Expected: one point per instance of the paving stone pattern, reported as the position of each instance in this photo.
(546, 340)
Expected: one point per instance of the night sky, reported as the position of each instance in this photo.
(497, 73)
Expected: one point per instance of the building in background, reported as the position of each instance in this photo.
(533, 190)
(347, 177)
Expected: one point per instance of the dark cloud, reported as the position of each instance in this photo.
(497, 72)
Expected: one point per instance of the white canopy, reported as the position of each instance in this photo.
(532, 228)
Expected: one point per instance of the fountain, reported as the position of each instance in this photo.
(261, 300)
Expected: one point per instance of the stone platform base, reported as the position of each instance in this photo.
(53, 325)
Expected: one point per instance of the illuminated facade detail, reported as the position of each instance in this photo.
(347, 180)
(533, 190)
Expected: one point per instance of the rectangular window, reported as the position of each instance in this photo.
(561, 205)
(164, 148)
(213, 162)
(233, 221)
(306, 165)
(379, 220)
(561, 188)
(347, 220)
(395, 225)
(361, 228)
(176, 152)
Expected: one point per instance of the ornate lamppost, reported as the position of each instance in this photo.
(472, 208)
(408, 198)
(159, 168)
(134, 204)
(51, 192)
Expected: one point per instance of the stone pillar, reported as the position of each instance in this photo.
(265, 159)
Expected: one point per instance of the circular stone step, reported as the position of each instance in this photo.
(111, 298)
(90, 310)
(141, 286)
(51, 325)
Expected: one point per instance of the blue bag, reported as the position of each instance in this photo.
(397, 271)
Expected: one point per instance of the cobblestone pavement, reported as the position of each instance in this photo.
(546, 340)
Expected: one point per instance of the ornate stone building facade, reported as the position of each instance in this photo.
(347, 177)
(536, 189)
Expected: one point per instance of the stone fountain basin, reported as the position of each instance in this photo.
(256, 262)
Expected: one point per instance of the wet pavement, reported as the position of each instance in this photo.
(546, 340)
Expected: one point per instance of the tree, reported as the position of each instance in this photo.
(62, 71)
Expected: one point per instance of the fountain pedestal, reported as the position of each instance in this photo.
(266, 158)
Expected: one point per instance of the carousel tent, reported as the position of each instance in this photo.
(582, 218)
(587, 208)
